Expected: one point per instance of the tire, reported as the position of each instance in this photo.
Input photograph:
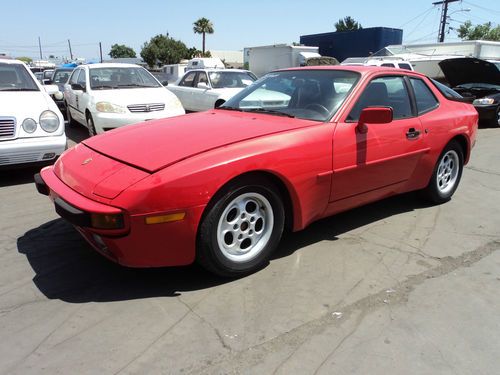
(242, 226)
(446, 175)
(218, 103)
(70, 119)
(496, 122)
(90, 125)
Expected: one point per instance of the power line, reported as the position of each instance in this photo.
(414, 18)
(483, 8)
(422, 21)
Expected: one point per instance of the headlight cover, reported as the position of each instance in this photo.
(49, 121)
(108, 107)
(483, 101)
(29, 125)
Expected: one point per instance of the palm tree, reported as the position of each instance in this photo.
(203, 26)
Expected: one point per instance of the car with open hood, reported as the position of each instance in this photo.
(221, 186)
(478, 81)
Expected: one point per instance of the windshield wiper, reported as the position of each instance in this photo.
(269, 111)
(135, 85)
(18, 89)
(99, 87)
(228, 108)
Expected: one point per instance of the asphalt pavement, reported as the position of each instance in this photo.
(396, 287)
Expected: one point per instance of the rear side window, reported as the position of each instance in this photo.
(404, 66)
(389, 65)
(426, 101)
(188, 80)
(447, 92)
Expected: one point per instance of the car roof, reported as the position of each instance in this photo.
(363, 69)
(217, 70)
(111, 65)
(11, 61)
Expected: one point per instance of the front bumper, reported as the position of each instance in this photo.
(138, 244)
(106, 121)
(487, 113)
(31, 150)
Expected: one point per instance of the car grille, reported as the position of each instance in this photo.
(28, 157)
(7, 127)
(146, 107)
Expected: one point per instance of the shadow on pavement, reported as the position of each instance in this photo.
(76, 133)
(68, 269)
(18, 176)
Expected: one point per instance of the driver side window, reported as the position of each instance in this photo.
(384, 92)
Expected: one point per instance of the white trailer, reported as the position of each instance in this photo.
(263, 59)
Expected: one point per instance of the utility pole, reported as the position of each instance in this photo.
(40, 47)
(100, 50)
(444, 16)
(70, 52)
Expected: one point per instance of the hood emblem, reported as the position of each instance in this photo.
(86, 161)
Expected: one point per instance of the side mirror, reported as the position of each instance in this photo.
(202, 85)
(164, 83)
(77, 86)
(47, 81)
(51, 89)
(374, 115)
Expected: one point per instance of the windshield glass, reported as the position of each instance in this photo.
(231, 79)
(15, 77)
(61, 76)
(119, 78)
(307, 94)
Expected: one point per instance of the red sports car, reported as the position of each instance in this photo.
(221, 186)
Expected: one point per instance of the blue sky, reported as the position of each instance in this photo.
(237, 24)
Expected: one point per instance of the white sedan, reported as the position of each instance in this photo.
(31, 125)
(204, 89)
(106, 96)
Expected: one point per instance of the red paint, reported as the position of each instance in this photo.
(178, 164)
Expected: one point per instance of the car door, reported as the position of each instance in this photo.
(80, 96)
(184, 90)
(382, 158)
(69, 94)
(202, 96)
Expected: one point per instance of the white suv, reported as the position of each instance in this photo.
(107, 96)
(31, 125)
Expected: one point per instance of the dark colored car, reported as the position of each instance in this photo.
(478, 81)
(59, 77)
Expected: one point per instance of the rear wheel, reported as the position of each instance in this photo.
(90, 125)
(241, 229)
(446, 175)
(496, 121)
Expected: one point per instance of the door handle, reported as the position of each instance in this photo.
(412, 133)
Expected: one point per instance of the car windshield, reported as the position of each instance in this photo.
(231, 79)
(307, 94)
(61, 76)
(15, 77)
(121, 78)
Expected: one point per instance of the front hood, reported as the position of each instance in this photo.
(16, 103)
(126, 97)
(156, 144)
(469, 70)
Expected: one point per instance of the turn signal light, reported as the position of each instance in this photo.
(107, 221)
(165, 218)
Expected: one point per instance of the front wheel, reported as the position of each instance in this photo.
(241, 228)
(90, 125)
(446, 175)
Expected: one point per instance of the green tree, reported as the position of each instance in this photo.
(121, 50)
(25, 59)
(347, 24)
(467, 31)
(203, 26)
(162, 49)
